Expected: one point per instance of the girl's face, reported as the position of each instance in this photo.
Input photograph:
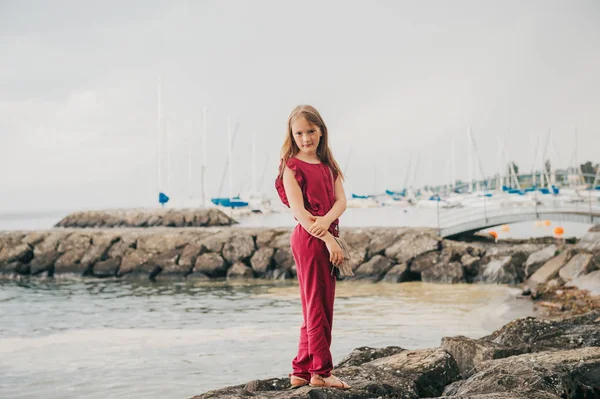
(306, 136)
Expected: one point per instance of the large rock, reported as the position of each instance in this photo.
(589, 282)
(75, 242)
(500, 269)
(210, 264)
(262, 260)
(238, 248)
(538, 258)
(19, 253)
(34, 238)
(284, 259)
(523, 394)
(44, 262)
(567, 374)
(239, 271)
(590, 242)
(168, 262)
(399, 274)
(382, 240)
(424, 262)
(215, 242)
(468, 352)
(579, 265)
(106, 268)
(190, 253)
(430, 369)
(98, 250)
(126, 243)
(358, 241)
(549, 270)
(50, 242)
(70, 262)
(374, 269)
(451, 273)
(162, 242)
(365, 354)
(529, 334)
(132, 260)
(411, 245)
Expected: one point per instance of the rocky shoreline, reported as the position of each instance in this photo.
(377, 254)
(528, 358)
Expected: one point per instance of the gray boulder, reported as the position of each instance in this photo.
(106, 268)
(239, 271)
(590, 242)
(411, 245)
(18, 253)
(210, 264)
(549, 270)
(383, 239)
(70, 262)
(132, 260)
(579, 265)
(468, 352)
(451, 273)
(44, 262)
(568, 374)
(589, 282)
(262, 259)
(365, 354)
(374, 269)
(538, 258)
(238, 248)
(399, 274)
(500, 269)
(190, 253)
(284, 259)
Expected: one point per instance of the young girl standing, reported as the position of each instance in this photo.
(310, 183)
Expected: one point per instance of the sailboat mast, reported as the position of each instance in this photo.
(160, 134)
(470, 176)
(230, 163)
(191, 140)
(204, 152)
(254, 162)
(452, 176)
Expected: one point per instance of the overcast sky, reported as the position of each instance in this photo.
(392, 79)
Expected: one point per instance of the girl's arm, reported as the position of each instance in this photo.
(296, 201)
(339, 206)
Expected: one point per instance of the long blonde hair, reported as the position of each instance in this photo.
(289, 147)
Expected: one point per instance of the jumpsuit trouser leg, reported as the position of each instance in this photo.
(317, 293)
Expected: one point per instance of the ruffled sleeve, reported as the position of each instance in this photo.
(293, 165)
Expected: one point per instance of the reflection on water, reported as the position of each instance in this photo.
(118, 339)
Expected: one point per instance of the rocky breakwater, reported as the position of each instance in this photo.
(377, 254)
(197, 217)
(528, 358)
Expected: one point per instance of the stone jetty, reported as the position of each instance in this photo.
(528, 358)
(193, 217)
(377, 254)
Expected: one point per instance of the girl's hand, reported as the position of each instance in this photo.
(319, 227)
(336, 256)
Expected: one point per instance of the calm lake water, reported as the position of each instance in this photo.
(113, 339)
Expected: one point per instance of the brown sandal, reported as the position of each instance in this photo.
(327, 382)
(297, 382)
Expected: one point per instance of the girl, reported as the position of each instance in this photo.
(310, 183)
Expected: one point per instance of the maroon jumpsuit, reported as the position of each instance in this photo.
(317, 284)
